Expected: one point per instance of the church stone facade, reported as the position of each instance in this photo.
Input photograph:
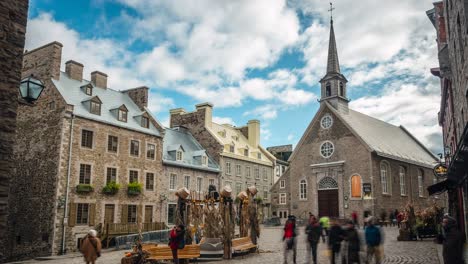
(347, 161)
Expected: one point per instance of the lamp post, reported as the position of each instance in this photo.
(31, 88)
(162, 198)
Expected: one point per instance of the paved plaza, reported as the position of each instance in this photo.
(271, 251)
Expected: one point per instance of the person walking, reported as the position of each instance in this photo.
(452, 247)
(354, 217)
(176, 241)
(373, 241)
(91, 247)
(399, 217)
(335, 236)
(289, 238)
(313, 231)
(325, 223)
(354, 243)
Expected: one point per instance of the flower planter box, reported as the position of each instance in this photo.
(109, 191)
(84, 188)
(133, 192)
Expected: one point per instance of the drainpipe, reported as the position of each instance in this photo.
(65, 216)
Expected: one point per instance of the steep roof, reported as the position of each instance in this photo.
(386, 139)
(71, 91)
(175, 138)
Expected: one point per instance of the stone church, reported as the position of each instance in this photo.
(347, 161)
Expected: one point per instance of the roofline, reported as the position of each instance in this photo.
(154, 118)
(139, 87)
(195, 167)
(44, 46)
(267, 153)
(385, 155)
(419, 143)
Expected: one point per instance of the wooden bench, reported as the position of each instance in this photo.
(242, 244)
(163, 252)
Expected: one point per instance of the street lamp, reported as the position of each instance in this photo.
(31, 88)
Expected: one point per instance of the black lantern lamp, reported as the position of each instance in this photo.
(31, 88)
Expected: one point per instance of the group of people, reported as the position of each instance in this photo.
(337, 231)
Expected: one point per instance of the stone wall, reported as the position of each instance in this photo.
(13, 17)
(276, 190)
(139, 95)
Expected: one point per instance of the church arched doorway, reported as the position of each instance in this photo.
(328, 197)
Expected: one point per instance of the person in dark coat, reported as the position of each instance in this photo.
(313, 231)
(335, 236)
(452, 249)
(354, 243)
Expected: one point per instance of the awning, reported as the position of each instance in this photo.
(441, 187)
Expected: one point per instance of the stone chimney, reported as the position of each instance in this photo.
(74, 70)
(207, 108)
(253, 127)
(139, 95)
(43, 62)
(175, 117)
(99, 79)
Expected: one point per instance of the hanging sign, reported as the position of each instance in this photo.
(367, 190)
(440, 171)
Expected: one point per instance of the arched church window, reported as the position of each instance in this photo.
(402, 175)
(327, 149)
(327, 183)
(421, 183)
(385, 178)
(303, 190)
(356, 186)
(328, 90)
(341, 89)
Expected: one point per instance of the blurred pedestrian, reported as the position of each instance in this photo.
(335, 236)
(91, 247)
(289, 238)
(400, 218)
(453, 247)
(374, 240)
(313, 231)
(176, 241)
(325, 223)
(354, 217)
(391, 217)
(354, 243)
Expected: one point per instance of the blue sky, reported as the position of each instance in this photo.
(255, 59)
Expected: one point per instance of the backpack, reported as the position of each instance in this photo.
(181, 243)
(373, 237)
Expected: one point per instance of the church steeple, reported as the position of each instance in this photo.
(334, 83)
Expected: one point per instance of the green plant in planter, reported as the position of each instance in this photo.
(111, 188)
(134, 188)
(259, 200)
(84, 188)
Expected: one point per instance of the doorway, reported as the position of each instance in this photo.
(328, 204)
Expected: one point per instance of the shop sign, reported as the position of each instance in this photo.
(440, 171)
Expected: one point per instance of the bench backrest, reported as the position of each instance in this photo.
(163, 250)
(241, 241)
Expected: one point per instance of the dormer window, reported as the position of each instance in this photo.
(89, 90)
(236, 138)
(122, 115)
(246, 152)
(204, 160)
(145, 122)
(222, 133)
(259, 155)
(95, 108)
(179, 155)
(231, 148)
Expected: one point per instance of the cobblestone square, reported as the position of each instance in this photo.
(271, 251)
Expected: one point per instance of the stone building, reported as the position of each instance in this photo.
(79, 139)
(450, 19)
(186, 164)
(13, 17)
(243, 161)
(282, 154)
(347, 161)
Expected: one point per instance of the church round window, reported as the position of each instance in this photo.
(326, 122)
(326, 149)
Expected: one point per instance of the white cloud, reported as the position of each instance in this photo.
(158, 103)
(265, 133)
(223, 120)
(290, 137)
(264, 112)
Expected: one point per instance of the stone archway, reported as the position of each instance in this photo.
(328, 204)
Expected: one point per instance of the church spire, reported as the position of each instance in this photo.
(333, 65)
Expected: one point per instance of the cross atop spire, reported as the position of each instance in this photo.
(331, 12)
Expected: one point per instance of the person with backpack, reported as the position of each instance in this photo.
(313, 231)
(176, 241)
(335, 236)
(373, 241)
(91, 247)
(289, 238)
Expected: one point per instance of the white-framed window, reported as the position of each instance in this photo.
(246, 152)
(231, 148)
(150, 181)
(172, 181)
(247, 171)
(132, 176)
(228, 168)
(82, 214)
(257, 172)
(187, 182)
(112, 144)
(265, 192)
(122, 115)
(327, 149)
(145, 122)
(135, 148)
(85, 174)
(211, 182)
(238, 170)
(282, 198)
(150, 151)
(179, 155)
(238, 187)
(89, 90)
(326, 122)
(199, 184)
(259, 155)
(421, 183)
(282, 184)
(204, 160)
(265, 174)
(95, 108)
(111, 175)
(402, 174)
(303, 190)
(384, 178)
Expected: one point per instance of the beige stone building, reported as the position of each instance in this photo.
(347, 161)
(243, 161)
(79, 139)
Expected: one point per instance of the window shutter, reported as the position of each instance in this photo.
(124, 215)
(92, 214)
(72, 214)
(139, 214)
